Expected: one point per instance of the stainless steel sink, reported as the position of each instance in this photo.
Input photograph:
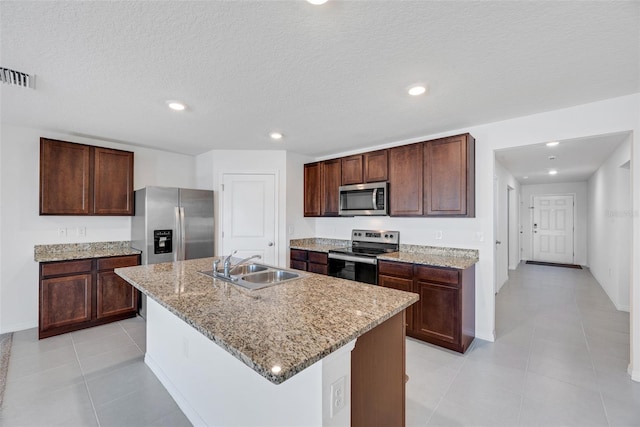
(271, 276)
(245, 269)
(255, 276)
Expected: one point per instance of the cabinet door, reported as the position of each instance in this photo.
(114, 295)
(437, 315)
(449, 176)
(312, 190)
(65, 301)
(352, 170)
(113, 182)
(402, 285)
(331, 178)
(405, 180)
(65, 171)
(376, 166)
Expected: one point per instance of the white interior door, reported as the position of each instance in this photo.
(553, 229)
(249, 216)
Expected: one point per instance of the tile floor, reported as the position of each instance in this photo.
(560, 358)
(93, 377)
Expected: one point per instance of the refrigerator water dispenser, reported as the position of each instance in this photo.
(162, 241)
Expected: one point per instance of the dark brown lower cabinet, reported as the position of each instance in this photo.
(84, 293)
(378, 376)
(445, 313)
(312, 261)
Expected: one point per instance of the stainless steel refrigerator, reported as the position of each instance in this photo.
(172, 224)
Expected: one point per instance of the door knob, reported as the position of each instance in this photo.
(270, 243)
(498, 242)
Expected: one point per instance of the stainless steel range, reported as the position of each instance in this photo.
(359, 262)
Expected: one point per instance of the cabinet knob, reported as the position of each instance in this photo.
(270, 244)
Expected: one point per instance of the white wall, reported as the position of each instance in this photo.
(22, 227)
(237, 161)
(598, 118)
(506, 224)
(579, 189)
(610, 220)
(298, 226)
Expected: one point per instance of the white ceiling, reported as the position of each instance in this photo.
(332, 78)
(575, 159)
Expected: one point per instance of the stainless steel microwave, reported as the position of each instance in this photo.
(364, 199)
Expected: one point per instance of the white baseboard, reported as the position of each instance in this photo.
(491, 337)
(18, 327)
(184, 405)
(634, 373)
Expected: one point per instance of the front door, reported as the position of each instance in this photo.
(249, 216)
(553, 229)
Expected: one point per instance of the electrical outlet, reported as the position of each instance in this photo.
(62, 232)
(338, 397)
(81, 231)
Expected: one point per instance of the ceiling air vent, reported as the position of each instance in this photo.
(17, 78)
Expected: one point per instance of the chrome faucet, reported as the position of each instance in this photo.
(239, 263)
(228, 266)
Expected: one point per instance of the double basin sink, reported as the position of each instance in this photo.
(255, 276)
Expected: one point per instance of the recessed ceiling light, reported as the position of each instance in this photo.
(176, 105)
(317, 2)
(416, 90)
(276, 135)
(553, 172)
(552, 144)
(525, 177)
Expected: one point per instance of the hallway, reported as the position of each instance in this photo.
(560, 358)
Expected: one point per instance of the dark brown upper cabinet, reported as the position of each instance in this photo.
(449, 176)
(376, 166)
(352, 170)
(331, 178)
(78, 179)
(312, 189)
(405, 180)
(321, 183)
(432, 179)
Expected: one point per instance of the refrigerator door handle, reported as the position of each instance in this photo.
(183, 237)
(178, 236)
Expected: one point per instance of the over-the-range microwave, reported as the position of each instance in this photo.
(364, 199)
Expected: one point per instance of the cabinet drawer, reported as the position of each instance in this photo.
(299, 265)
(318, 257)
(397, 269)
(318, 268)
(65, 267)
(117, 262)
(441, 275)
(298, 254)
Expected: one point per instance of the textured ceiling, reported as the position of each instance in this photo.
(332, 78)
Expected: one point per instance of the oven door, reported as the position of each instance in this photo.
(360, 269)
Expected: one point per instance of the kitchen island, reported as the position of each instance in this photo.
(311, 351)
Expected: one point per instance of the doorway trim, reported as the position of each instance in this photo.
(575, 219)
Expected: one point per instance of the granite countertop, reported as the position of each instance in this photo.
(318, 244)
(415, 254)
(434, 256)
(71, 251)
(290, 326)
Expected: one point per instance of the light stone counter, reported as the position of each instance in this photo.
(415, 254)
(318, 244)
(435, 256)
(276, 331)
(71, 251)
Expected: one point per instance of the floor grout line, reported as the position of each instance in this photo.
(84, 378)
